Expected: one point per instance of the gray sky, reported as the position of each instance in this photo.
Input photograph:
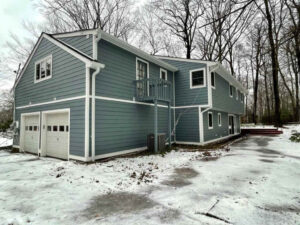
(12, 13)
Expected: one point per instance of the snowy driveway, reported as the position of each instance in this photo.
(256, 182)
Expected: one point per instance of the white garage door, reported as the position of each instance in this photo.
(31, 134)
(57, 135)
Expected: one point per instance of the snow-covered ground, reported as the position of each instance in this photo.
(5, 140)
(256, 182)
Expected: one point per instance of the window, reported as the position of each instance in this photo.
(35, 128)
(231, 91)
(54, 128)
(43, 69)
(212, 75)
(30, 128)
(210, 120)
(219, 120)
(242, 98)
(67, 128)
(237, 94)
(142, 72)
(49, 128)
(163, 74)
(197, 78)
(62, 128)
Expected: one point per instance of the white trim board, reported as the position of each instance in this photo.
(51, 102)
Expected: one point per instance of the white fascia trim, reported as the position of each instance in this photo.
(163, 70)
(191, 106)
(122, 44)
(204, 78)
(51, 102)
(75, 33)
(187, 60)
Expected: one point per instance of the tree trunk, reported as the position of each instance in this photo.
(275, 66)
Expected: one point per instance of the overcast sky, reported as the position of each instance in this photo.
(12, 13)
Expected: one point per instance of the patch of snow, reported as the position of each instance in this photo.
(5, 141)
(256, 182)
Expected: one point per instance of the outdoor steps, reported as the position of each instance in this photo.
(261, 131)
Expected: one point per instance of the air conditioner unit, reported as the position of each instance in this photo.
(161, 140)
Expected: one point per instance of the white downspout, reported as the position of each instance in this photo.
(96, 39)
(94, 111)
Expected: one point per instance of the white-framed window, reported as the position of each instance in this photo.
(142, 72)
(43, 69)
(230, 90)
(212, 79)
(163, 74)
(242, 97)
(210, 120)
(197, 78)
(219, 119)
(237, 94)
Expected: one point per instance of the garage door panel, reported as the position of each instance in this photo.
(57, 135)
(31, 133)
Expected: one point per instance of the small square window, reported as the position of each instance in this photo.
(49, 128)
(35, 128)
(210, 120)
(197, 78)
(30, 128)
(212, 74)
(61, 128)
(54, 128)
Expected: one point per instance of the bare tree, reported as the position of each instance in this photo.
(181, 16)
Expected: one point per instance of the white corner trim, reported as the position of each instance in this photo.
(51, 102)
(209, 89)
(200, 123)
(160, 73)
(204, 78)
(79, 158)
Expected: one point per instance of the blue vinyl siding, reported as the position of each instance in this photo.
(222, 100)
(187, 129)
(116, 80)
(184, 95)
(124, 126)
(83, 43)
(68, 77)
(77, 112)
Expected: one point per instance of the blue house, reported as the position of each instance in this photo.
(87, 95)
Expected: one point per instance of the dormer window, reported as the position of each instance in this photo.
(212, 74)
(43, 69)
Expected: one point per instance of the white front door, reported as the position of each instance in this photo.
(57, 135)
(31, 133)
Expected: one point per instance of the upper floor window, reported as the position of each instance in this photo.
(43, 69)
(242, 98)
(237, 94)
(210, 120)
(197, 78)
(219, 119)
(231, 91)
(163, 74)
(212, 75)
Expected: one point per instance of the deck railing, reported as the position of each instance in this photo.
(153, 89)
